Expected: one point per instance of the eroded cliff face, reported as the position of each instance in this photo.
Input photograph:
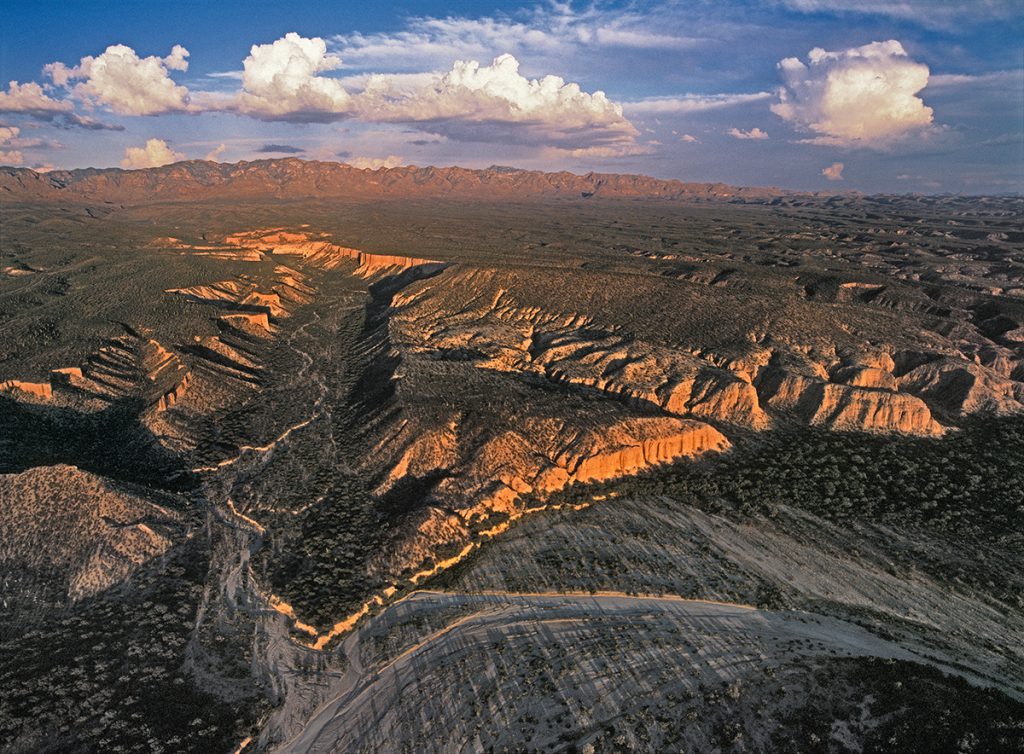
(845, 407)
(495, 402)
(129, 366)
(28, 390)
(466, 315)
(963, 387)
(638, 444)
(484, 469)
(315, 249)
(321, 253)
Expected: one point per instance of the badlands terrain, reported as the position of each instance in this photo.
(303, 458)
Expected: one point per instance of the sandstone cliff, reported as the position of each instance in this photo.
(321, 253)
(32, 390)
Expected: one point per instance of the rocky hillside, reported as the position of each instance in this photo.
(66, 534)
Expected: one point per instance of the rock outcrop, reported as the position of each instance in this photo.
(961, 388)
(255, 324)
(34, 390)
(198, 375)
(133, 365)
(636, 445)
(846, 407)
(316, 251)
(842, 407)
(235, 294)
(539, 456)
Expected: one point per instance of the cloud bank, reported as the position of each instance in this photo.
(473, 102)
(863, 96)
(470, 102)
(288, 80)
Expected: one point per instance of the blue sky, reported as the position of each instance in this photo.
(917, 95)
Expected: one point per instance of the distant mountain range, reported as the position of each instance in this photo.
(293, 178)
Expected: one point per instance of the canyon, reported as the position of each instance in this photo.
(324, 428)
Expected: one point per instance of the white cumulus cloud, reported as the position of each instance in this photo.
(153, 155)
(754, 133)
(833, 172)
(495, 102)
(176, 61)
(374, 163)
(280, 81)
(864, 96)
(129, 85)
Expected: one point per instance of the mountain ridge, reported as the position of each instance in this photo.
(294, 178)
